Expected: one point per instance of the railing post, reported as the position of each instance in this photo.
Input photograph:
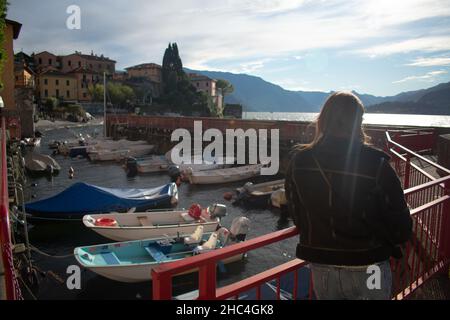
(161, 285)
(444, 240)
(407, 171)
(207, 281)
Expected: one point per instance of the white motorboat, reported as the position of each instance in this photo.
(133, 261)
(155, 224)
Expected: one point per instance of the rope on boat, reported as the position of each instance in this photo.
(49, 255)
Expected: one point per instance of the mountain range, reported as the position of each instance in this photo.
(257, 95)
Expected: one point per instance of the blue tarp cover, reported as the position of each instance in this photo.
(82, 198)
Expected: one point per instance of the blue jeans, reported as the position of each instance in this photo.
(352, 282)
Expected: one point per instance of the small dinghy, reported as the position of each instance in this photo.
(155, 224)
(258, 195)
(223, 175)
(37, 163)
(82, 198)
(132, 261)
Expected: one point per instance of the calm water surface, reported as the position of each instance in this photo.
(369, 118)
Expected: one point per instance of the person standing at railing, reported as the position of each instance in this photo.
(348, 204)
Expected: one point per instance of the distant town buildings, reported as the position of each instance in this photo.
(69, 77)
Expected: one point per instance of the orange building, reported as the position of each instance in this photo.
(150, 71)
(92, 62)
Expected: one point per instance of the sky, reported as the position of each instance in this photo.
(380, 47)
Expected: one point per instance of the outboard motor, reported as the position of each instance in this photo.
(174, 173)
(239, 228)
(131, 167)
(217, 210)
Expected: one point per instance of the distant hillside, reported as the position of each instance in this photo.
(256, 94)
(434, 100)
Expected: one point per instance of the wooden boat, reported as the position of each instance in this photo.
(258, 195)
(132, 261)
(80, 199)
(223, 175)
(155, 224)
(37, 163)
(121, 153)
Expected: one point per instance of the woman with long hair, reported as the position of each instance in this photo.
(348, 205)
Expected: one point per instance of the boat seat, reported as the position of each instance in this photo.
(156, 254)
(110, 258)
(144, 221)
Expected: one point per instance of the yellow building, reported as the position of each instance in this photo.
(85, 78)
(54, 83)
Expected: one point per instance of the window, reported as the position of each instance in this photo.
(46, 93)
(79, 63)
(45, 81)
(68, 82)
(84, 95)
(57, 82)
(68, 94)
(50, 61)
(57, 93)
(198, 84)
(207, 84)
(40, 60)
(17, 78)
(69, 63)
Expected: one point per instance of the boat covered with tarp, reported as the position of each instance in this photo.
(82, 198)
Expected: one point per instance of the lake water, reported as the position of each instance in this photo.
(369, 118)
(61, 239)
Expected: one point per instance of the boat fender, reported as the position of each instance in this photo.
(208, 245)
(106, 222)
(228, 196)
(196, 237)
(195, 211)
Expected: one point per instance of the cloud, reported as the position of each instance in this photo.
(428, 77)
(228, 30)
(430, 62)
(428, 44)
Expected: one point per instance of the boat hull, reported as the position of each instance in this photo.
(140, 273)
(224, 175)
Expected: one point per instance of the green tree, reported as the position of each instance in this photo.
(96, 92)
(225, 88)
(51, 104)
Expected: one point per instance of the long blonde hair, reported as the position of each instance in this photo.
(341, 117)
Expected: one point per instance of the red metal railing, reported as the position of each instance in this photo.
(425, 254)
(429, 199)
(10, 280)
